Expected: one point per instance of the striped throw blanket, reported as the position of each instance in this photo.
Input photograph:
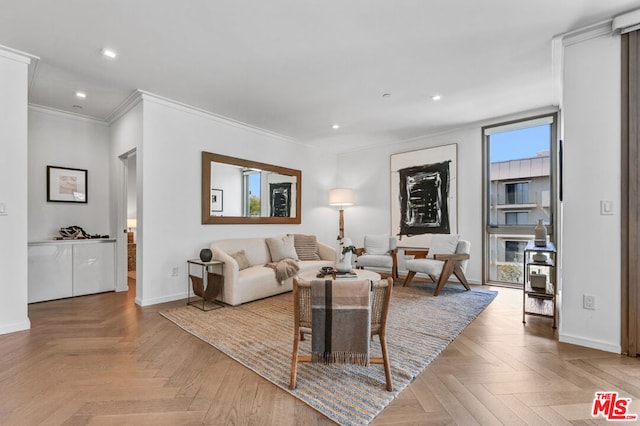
(340, 321)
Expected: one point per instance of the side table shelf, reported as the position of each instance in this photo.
(536, 300)
(205, 286)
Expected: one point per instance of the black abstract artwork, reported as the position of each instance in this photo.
(280, 198)
(424, 199)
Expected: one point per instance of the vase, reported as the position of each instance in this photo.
(345, 264)
(205, 255)
(540, 234)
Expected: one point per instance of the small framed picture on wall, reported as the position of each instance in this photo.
(66, 185)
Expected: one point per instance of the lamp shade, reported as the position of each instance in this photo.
(132, 223)
(341, 197)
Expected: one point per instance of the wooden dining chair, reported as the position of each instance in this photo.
(381, 298)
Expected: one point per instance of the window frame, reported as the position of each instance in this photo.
(517, 231)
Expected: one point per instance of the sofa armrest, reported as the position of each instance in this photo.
(326, 252)
(455, 256)
(231, 271)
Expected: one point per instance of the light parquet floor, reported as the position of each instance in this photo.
(102, 360)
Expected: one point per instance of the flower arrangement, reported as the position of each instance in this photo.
(347, 249)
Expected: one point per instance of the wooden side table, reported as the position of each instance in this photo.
(206, 286)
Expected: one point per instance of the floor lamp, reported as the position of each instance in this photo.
(341, 197)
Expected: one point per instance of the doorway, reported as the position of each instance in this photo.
(128, 220)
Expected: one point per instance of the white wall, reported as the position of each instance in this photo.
(13, 192)
(170, 229)
(65, 140)
(368, 173)
(591, 242)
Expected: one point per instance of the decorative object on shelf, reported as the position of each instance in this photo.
(540, 235)
(206, 255)
(341, 197)
(74, 233)
(538, 281)
(539, 257)
(424, 194)
(66, 185)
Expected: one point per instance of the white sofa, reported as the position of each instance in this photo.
(258, 281)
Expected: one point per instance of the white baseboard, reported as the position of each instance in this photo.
(164, 299)
(590, 343)
(17, 326)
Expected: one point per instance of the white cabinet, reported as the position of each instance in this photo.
(50, 272)
(68, 268)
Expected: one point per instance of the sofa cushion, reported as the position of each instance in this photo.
(443, 244)
(306, 247)
(241, 258)
(376, 244)
(375, 260)
(282, 247)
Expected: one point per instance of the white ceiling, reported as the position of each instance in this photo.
(295, 67)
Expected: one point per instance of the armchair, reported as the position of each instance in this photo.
(379, 251)
(447, 255)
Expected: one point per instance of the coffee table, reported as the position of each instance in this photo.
(361, 273)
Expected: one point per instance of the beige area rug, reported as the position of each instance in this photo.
(260, 336)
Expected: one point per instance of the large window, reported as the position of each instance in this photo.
(519, 173)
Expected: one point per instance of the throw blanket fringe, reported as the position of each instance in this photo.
(340, 358)
(284, 269)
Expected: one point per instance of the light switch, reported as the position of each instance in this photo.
(606, 207)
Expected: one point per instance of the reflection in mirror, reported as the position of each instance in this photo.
(242, 191)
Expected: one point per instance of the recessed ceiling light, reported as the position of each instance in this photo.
(81, 95)
(436, 97)
(335, 126)
(77, 106)
(386, 95)
(109, 53)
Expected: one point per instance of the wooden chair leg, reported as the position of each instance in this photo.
(460, 275)
(385, 358)
(447, 269)
(294, 362)
(407, 280)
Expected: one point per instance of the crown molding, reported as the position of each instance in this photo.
(125, 106)
(589, 32)
(17, 55)
(160, 100)
(66, 114)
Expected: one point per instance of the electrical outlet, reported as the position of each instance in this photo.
(174, 271)
(589, 301)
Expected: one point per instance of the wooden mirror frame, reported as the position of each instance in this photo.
(208, 219)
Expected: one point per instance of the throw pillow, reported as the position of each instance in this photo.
(376, 244)
(241, 258)
(282, 248)
(443, 244)
(306, 247)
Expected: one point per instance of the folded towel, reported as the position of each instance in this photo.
(286, 268)
(340, 321)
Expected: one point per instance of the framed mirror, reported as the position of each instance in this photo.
(238, 191)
